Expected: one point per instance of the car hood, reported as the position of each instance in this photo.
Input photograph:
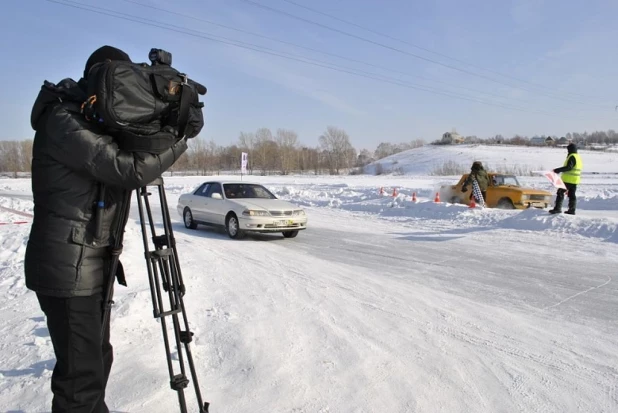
(268, 204)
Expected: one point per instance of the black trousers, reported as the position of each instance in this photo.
(83, 360)
(571, 189)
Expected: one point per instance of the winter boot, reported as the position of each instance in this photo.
(572, 205)
(558, 206)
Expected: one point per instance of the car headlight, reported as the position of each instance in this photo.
(525, 197)
(298, 212)
(255, 213)
(548, 199)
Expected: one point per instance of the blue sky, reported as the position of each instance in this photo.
(562, 52)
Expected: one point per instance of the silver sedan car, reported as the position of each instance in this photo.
(240, 207)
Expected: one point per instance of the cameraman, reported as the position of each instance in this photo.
(65, 263)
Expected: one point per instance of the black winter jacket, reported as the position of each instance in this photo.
(570, 162)
(71, 157)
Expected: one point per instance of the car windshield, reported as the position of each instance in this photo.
(239, 191)
(506, 180)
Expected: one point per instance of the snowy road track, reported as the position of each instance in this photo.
(359, 313)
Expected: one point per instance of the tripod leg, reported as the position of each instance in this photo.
(186, 336)
(164, 271)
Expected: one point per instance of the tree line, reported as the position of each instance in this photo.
(15, 156)
(609, 137)
(278, 152)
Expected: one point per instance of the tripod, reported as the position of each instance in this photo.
(163, 272)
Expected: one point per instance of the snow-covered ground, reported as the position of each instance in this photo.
(381, 305)
(425, 160)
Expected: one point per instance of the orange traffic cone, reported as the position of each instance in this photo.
(394, 192)
(472, 203)
(437, 198)
(414, 197)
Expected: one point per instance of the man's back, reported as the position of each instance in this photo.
(71, 160)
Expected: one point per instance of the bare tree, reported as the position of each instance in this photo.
(304, 158)
(263, 138)
(383, 150)
(26, 155)
(181, 164)
(213, 152)
(203, 156)
(229, 158)
(199, 155)
(287, 141)
(10, 157)
(337, 148)
(364, 158)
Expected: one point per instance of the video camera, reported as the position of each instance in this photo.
(147, 108)
(160, 56)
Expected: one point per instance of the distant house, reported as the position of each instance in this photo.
(542, 141)
(562, 141)
(452, 138)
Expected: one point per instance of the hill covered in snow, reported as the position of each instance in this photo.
(456, 159)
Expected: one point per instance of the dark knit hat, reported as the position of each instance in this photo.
(102, 54)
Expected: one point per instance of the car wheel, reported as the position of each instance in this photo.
(454, 200)
(506, 203)
(233, 227)
(188, 219)
(290, 234)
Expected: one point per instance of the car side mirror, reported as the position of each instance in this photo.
(216, 195)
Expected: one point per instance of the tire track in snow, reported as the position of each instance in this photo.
(609, 279)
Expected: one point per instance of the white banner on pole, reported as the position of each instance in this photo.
(243, 163)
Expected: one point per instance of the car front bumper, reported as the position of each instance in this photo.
(270, 224)
(532, 204)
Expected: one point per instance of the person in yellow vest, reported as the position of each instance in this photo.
(571, 176)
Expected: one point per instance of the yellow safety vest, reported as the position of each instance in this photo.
(574, 175)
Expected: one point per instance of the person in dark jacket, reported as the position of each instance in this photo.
(571, 176)
(478, 173)
(66, 264)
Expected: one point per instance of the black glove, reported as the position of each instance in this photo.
(196, 121)
(464, 189)
(556, 171)
(195, 118)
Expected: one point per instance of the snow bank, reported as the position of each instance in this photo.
(424, 160)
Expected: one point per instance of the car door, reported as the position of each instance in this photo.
(216, 206)
(196, 202)
(493, 190)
